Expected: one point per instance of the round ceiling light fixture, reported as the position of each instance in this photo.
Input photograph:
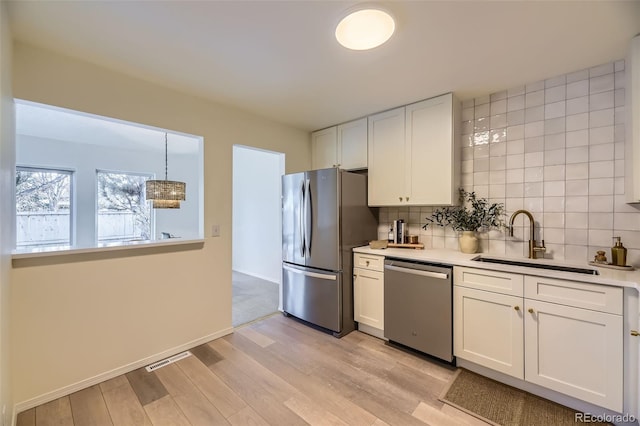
(365, 29)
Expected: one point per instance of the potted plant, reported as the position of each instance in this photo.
(473, 214)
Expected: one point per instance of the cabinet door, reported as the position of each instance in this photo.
(431, 169)
(488, 330)
(575, 351)
(352, 145)
(386, 158)
(324, 148)
(368, 290)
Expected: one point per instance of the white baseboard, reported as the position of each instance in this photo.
(376, 332)
(83, 384)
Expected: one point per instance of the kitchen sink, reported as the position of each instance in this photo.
(536, 264)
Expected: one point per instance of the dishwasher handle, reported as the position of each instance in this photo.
(430, 274)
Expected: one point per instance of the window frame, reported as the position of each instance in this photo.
(152, 212)
(72, 203)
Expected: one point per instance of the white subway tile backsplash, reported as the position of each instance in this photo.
(535, 87)
(601, 135)
(554, 125)
(577, 187)
(534, 129)
(533, 189)
(534, 159)
(601, 70)
(533, 174)
(601, 203)
(533, 99)
(554, 110)
(554, 157)
(601, 118)
(577, 89)
(601, 169)
(600, 221)
(577, 171)
(577, 76)
(577, 155)
(500, 106)
(578, 220)
(601, 83)
(515, 132)
(578, 121)
(602, 152)
(534, 114)
(602, 100)
(575, 205)
(515, 175)
(577, 138)
(577, 105)
(552, 142)
(555, 94)
(556, 148)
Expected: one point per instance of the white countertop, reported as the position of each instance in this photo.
(607, 276)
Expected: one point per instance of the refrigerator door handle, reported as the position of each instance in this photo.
(301, 228)
(308, 220)
(328, 277)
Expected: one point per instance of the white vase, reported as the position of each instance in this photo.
(468, 242)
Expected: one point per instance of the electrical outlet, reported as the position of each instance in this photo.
(215, 230)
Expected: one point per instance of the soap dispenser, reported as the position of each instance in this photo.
(618, 253)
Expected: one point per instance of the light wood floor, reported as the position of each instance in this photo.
(273, 372)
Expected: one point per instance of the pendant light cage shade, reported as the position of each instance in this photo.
(166, 204)
(165, 194)
(170, 190)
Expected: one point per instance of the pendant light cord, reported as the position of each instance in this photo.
(166, 156)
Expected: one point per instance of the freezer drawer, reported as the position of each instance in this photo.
(313, 295)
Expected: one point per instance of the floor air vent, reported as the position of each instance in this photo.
(167, 361)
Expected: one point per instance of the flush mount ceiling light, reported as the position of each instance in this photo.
(365, 29)
(166, 194)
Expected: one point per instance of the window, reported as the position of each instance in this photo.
(43, 207)
(123, 213)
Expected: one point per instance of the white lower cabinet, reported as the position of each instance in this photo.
(575, 351)
(368, 293)
(563, 335)
(488, 330)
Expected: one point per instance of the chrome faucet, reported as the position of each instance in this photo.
(534, 250)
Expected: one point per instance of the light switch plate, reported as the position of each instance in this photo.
(215, 230)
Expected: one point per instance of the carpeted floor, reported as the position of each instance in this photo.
(500, 404)
(253, 298)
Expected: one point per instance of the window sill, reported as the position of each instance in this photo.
(41, 252)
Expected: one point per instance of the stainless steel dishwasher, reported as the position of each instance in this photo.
(418, 306)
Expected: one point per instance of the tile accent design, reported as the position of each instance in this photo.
(553, 147)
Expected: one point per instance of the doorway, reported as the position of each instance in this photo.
(256, 233)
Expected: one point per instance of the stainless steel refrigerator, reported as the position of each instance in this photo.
(324, 216)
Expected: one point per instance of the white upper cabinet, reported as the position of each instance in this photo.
(632, 96)
(343, 146)
(414, 154)
(324, 151)
(386, 158)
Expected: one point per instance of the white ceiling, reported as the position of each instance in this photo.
(280, 59)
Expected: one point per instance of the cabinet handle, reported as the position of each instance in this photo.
(635, 333)
(407, 198)
(531, 311)
(400, 198)
(517, 308)
(367, 263)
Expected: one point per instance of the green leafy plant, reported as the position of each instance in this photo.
(473, 214)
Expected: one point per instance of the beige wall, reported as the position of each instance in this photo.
(7, 166)
(82, 316)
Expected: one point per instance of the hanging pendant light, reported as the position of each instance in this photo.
(165, 194)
